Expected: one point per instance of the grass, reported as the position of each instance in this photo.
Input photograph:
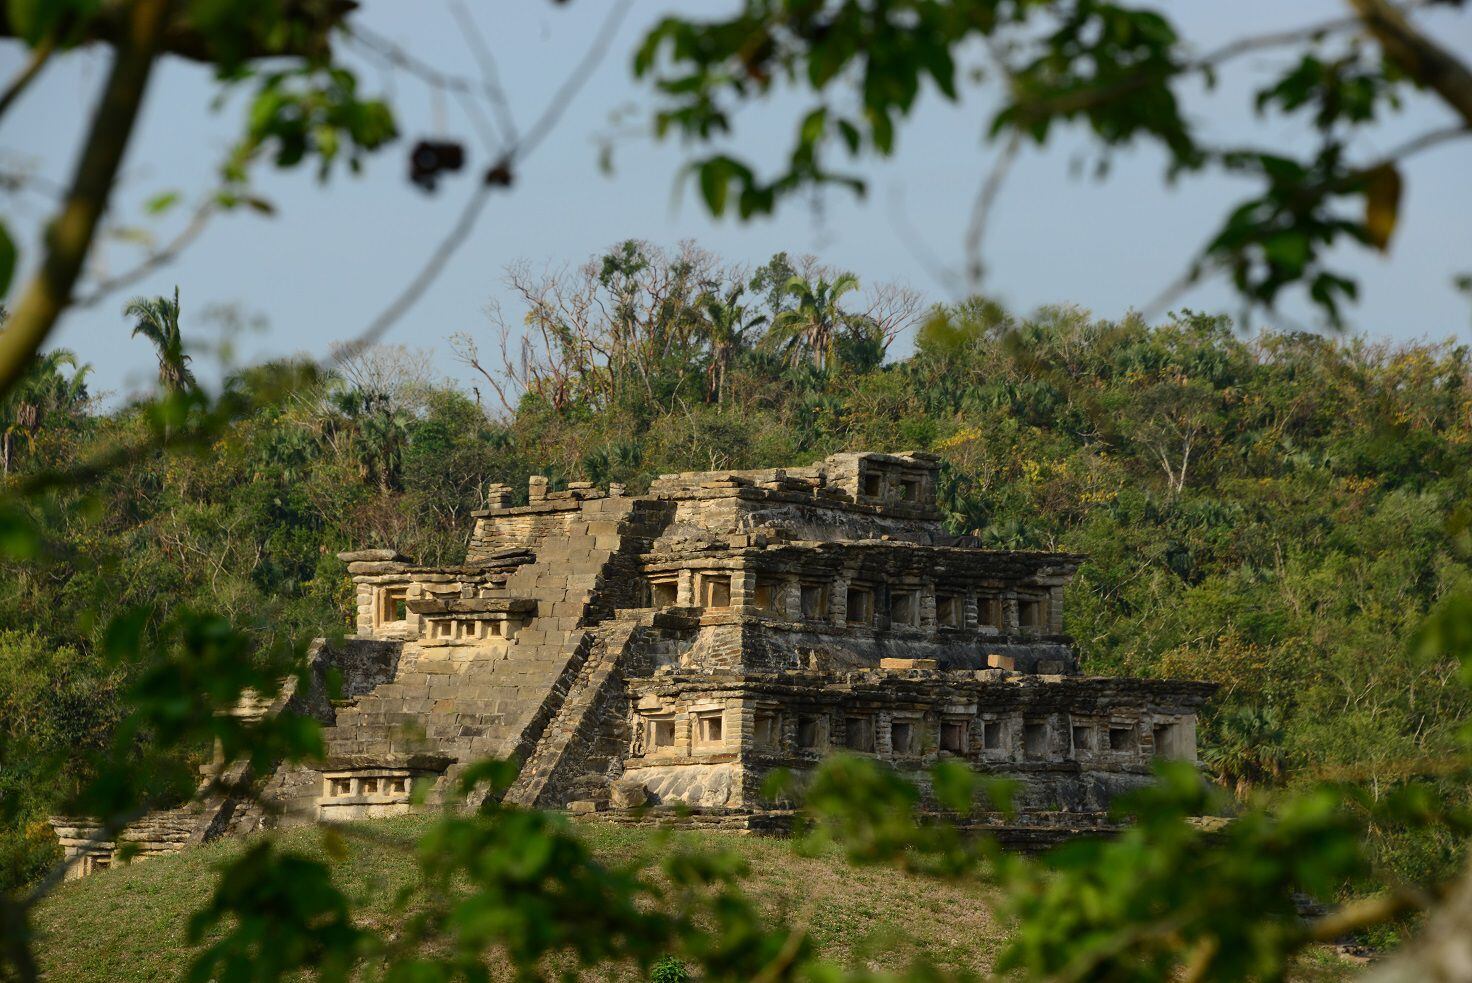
(129, 923)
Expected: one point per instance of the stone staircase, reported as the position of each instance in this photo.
(585, 735)
(500, 706)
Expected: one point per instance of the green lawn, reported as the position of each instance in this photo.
(129, 923)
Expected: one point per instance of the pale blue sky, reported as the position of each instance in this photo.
(333, 256)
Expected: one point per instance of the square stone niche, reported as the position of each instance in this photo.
(366, 793)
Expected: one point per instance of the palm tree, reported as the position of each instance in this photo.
(812, 325)
(726, 321)
(1243, 749)
(43, 390)
(375, 432)
(158, 320)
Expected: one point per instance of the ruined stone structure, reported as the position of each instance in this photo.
(673, 648)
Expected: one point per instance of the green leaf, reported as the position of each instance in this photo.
(161, 202)
(1288, 249)
(713, 185)
(813, 126)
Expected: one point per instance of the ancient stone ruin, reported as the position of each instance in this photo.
(657, 656)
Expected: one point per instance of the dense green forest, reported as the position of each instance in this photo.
(1276, 512)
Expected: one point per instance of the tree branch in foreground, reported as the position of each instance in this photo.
(70, 236)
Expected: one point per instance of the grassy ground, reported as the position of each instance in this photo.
(129, 923)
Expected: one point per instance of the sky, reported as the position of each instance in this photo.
(335, 254)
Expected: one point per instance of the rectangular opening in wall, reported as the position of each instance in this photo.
(715, 591)
(991, 735)
(950, 610)
(953, 736)
(442, 629)
(766, 595)
(815, 602)
(1035, 738)
(1083, 738)
(860, 606)
(341, 786)
(368, 786)
(904, 608)
(807, 731)
(909, 489)
(764, 729)
(989, 611)
(393, 605)
(1167, 740)
(859, 733)
(902, 736)
(662, 732)
(872, 485)
(663, 593)
(1029, 612)
(398, 786)
(1122, 739)
(708, 728)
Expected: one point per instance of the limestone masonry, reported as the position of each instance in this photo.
(658, 655)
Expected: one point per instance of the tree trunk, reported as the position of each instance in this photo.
(70, 234)
(1418, 55)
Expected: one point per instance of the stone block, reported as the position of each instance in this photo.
(995, 661)
(627, 793)
(370, 556)
(900, 664)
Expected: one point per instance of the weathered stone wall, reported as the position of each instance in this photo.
(1072, 743)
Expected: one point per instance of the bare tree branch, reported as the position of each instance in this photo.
(576, 80)
(155, 260)
(1418, 56)
(981, 211)
(490, 76)
(500, 174)
(40, 54)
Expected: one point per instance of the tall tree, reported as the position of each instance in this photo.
(812, 324)
(726, 322)
(43, 390)
(157, 319)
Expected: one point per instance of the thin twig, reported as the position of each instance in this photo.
(1365, 913)
(1275, 39)
(398, 57)
(431, 270)
(575, 81)
(1203, 266)
(40, 54)
(499, 174)
(981, 211)
(920, 250)
(155, 260)
(490, 76)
